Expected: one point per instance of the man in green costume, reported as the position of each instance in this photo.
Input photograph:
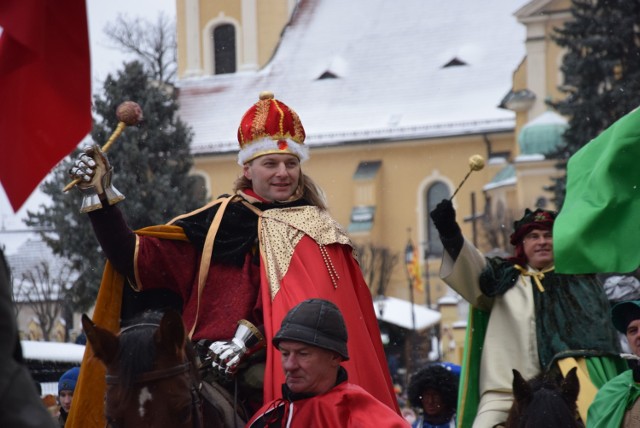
(616, 404)
(533, 319)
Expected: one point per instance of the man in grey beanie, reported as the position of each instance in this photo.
(312, 341)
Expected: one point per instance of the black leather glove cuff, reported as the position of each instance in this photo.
(449, 230)
(453, 245)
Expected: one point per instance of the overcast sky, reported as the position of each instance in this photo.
(104, 60)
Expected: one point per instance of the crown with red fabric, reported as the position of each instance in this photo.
(270, 127)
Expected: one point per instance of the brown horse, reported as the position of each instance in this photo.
(153, 377)
(545, 401)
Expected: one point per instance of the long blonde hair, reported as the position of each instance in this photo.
(307, 189)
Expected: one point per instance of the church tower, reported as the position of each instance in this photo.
(228, 36)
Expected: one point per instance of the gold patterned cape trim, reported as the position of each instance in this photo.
(280, 230)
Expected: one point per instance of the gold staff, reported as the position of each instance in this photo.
(128, 113)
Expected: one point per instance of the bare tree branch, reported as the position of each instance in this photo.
(44, 294)
(376, 264)
(154, 44)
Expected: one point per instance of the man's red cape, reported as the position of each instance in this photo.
(308, 277)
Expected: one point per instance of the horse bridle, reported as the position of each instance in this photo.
(155, 375)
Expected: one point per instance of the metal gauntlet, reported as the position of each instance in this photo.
(228, 354)
(94, 171)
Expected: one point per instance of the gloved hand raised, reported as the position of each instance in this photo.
(91, 168)
(94, 171)
(444, 218)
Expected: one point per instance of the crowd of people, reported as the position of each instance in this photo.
(267, 280)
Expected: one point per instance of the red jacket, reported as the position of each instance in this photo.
(345, 405)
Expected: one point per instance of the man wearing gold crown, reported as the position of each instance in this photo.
(524, 316)
(243, 261)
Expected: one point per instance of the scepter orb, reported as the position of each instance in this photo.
(129, 113)
(476, 163)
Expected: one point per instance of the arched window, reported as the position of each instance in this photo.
(436, 192)
(224, 49)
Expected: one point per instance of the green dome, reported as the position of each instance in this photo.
(506, 176)
(543, 134)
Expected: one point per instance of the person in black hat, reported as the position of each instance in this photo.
(434, 390)
(312, 341)
(616, 403)
(626, 319)
(535, 320)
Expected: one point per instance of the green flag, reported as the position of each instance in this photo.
(598, 228)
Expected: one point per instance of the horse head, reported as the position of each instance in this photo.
(151, 375)
(544, 401)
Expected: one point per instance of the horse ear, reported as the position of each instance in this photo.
(571, 385)
(171, 336)
(521, 388)
(104, 343)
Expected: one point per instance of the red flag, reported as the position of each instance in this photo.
(45, 89)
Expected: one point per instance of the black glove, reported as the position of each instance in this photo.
(444, 218)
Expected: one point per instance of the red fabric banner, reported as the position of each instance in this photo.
(45, 89)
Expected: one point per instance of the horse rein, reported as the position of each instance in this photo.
(152, 375)
(163, 374)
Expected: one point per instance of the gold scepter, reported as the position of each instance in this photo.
(476, 163)
(128, 113)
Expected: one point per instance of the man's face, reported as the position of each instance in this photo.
(633, 336)
(308, 369)
(432, 402)
(538, 247)
(274, 177)
(65, 399)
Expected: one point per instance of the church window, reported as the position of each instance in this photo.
(224, 49)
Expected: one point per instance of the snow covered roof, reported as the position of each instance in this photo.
(392, 82)
(398, 312)
(29, 258)
(543, 135)
(32, 253)
(52, 351)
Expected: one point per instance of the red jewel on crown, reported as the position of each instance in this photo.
(283, 145)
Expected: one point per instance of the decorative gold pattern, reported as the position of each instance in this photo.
(280, 230)
(281, 119)
(260, 119)
(297, 128)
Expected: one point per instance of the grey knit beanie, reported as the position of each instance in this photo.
(315, 322)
